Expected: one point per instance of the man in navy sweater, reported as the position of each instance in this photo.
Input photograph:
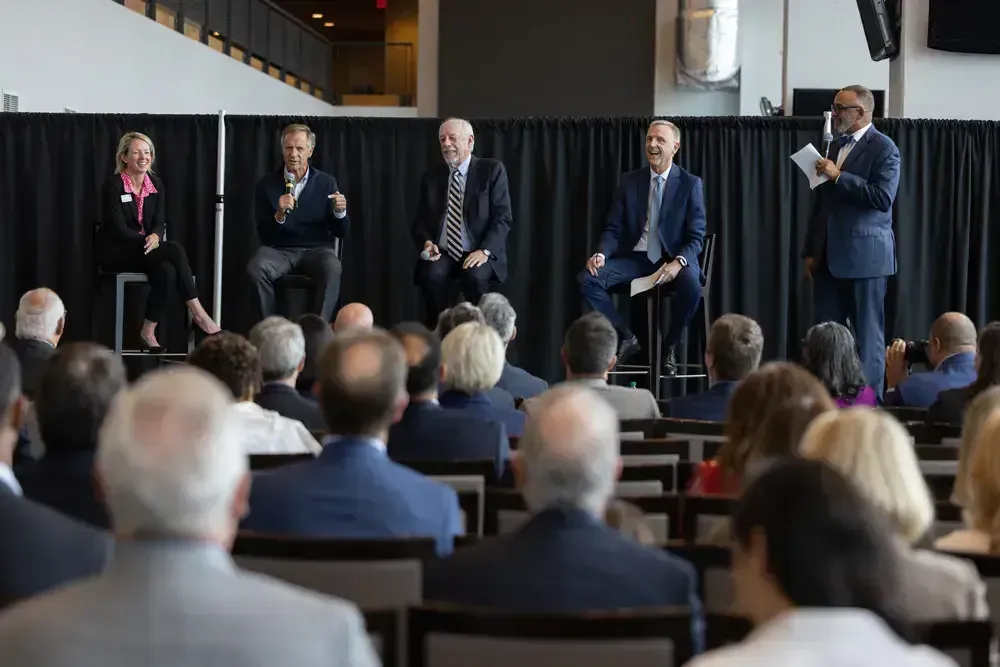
(299, 211)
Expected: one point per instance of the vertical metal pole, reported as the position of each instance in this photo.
(220, 192)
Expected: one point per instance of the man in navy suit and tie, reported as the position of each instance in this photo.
(656, 224)
(850, 248)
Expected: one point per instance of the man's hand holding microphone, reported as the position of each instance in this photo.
(430, 253)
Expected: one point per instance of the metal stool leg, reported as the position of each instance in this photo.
(658, 361)
(119, 313)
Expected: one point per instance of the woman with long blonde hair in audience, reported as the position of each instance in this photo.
(761, 393)
(984, 405)
(875, 451)
(982, 508)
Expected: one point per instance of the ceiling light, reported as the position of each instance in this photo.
(328, 24)
(215, 34)
(317, 16)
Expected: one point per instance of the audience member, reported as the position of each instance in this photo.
(317, 334)
(39, 325)
(951, 351)
(281, 346)
(74, 395)
(950, 404)
(735, 345)
(427, 432)
(980, 409)
(460, 314)
(40, 549)
(174, 473)
(566, 559)
(354, 317)
(816, 573)
(234, 361)
(760, 393)
(588, 354)
(353, 490)
(875, 452)
(500, 315)
(472, 359)
(982, 507)
(831, 354)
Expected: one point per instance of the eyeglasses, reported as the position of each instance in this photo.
(838, 108)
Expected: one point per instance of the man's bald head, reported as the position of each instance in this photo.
(354, 317)
(570, 451)
(362, 383)
(41, 315)
(950, 334)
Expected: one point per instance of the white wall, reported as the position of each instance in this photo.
(762, 50)
(826, 48)
(95, 56)
(939, 84)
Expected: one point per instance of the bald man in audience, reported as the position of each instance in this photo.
(951, 353)
(174, 473)
(39, 325)
(354, 317)
(353, 490)
(565, 559)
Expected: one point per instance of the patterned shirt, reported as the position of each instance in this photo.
(140, 197)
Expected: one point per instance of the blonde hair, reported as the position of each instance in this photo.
(673, 128)
(976, 414)
(876, 452)
(983, 512)
(299, 127)
(125, 143)
(473, 357)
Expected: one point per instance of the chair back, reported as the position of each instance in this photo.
(715, 579)
(486, 468)
(269, 461)
(458, 637)
(966, 642)
(707, 263)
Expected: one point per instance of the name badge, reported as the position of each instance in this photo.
(126, 198)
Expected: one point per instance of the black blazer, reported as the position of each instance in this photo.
(33, 356)
(485, 207)
(119, 227)
(287, 402)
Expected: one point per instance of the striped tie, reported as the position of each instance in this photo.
(453, 219)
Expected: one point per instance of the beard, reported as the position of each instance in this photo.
(450, 157)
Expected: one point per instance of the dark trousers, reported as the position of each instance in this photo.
(622, 270)
(321, 264)
(166, 267)
(858, 303)
(433, 278)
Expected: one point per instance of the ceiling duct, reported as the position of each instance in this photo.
(708, 53)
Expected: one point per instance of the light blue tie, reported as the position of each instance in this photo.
(653, 249)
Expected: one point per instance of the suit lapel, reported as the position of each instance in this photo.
(642, 197)
(470, 182)
(858, 149)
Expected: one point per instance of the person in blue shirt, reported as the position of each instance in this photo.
(951, 351)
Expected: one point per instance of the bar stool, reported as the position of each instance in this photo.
(300, 281)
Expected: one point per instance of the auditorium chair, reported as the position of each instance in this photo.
(299, 281)
(654, 327)
(713, 562)
(447, 636)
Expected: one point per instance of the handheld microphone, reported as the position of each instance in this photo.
(289, 187)
(827, 133)
(425, 255)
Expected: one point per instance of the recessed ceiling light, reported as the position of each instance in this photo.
(317, 16)
(215, 34)
(328, 24)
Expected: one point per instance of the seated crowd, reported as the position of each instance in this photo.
(120, 502)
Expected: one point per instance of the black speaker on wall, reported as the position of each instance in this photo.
(963, 26)
(880, 19)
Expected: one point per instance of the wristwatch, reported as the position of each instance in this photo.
(682, 260)
(486, 252)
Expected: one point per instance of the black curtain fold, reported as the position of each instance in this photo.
(562, 174)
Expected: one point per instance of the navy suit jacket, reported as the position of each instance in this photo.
(707, 406)
(481, 405)
(851, 222)
(682, 215)
(41, 549)
(519, 383)
(565, 561)
(920, 390)
(288, 402)
(64, 481)
(428, 432)
(353, 490)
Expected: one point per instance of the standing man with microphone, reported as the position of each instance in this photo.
(299, 211)
(850, 248)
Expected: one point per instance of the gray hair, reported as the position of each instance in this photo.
(464, 124)
(499, 314)
(281, 345)
(570, 450)
(473, 357)
(673, 128)
(38, 314)
(169, 457)
(299, 127)
(865, 97)
(458, 314)
(590, 344)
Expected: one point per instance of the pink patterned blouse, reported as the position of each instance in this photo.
(140, 197)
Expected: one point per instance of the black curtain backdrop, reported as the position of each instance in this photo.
(562, 175)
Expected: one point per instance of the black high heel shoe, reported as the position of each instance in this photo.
(199, 334)
(146, 348)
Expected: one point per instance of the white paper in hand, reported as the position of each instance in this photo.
(805, 160)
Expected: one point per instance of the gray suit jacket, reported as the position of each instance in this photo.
(629, 403)
(163, 604)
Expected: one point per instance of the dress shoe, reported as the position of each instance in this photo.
(670, 360)
(628, 348)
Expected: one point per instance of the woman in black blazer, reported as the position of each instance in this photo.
(130, 238)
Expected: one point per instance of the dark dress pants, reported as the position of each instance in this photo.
(433, 279)
(167, 268)
(321, 265)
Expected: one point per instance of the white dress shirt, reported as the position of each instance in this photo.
(297, 189)
(644, 239)
(266, 432)
(846, 150)
(7, 478)
(823, 638)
